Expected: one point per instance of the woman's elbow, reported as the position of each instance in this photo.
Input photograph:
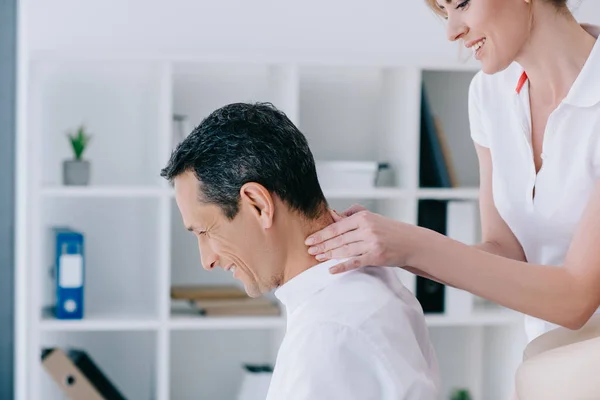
(581, 312)
(575, 323)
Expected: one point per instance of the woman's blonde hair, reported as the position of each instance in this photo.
(433, 4)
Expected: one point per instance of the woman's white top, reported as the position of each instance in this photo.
(500, 119)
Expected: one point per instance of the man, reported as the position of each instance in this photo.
(246, 186)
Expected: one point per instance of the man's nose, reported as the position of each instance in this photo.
(208, 258)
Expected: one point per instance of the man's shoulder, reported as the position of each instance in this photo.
(363, 299)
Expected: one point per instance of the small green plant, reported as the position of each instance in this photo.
(461, 394)
(79, 141)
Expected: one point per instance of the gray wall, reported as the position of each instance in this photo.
(8, 15)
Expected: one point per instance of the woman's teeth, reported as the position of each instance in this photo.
(478, 45)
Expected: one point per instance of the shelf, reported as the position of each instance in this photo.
(370, 193)
(104, 191)
(100, 322)
(478, 318)
(137, 246)
(187, 322)
(448, 194)
(367, 193)
(184, 317)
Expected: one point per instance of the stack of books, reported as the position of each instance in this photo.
(223, 301)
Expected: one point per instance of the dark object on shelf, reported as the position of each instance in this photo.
(433, 163)
(258, 368)
(431, 294)
(461, 394)
(78, 376)
(385, 175)
(255, 382)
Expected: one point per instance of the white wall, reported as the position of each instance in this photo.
(365, 31)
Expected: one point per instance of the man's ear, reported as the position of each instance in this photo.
(259, 202)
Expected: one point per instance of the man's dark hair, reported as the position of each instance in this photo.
(241, 143)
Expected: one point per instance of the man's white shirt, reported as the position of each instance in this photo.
(356, 335)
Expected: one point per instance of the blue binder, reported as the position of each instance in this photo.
(69, 273)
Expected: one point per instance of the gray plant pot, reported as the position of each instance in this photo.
(76, 172)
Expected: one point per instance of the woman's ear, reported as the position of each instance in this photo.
(259, 202)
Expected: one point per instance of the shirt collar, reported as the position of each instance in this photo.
(306, 284)
(585, 91)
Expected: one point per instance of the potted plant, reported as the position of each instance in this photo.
(461, 394)
(76, 171)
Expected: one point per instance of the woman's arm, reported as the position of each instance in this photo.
(497, 237)
(566, 295)
(495, 270)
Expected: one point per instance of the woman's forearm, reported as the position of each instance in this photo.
(492, 248)
(489, 247)
(547, 292)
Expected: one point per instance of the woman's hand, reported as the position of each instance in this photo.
(365, 237)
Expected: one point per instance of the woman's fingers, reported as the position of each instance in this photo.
(331, 231)
(353, 209)
(348, 250)
(337, 242)
(353, 263)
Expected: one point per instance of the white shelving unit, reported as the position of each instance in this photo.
(137, 247)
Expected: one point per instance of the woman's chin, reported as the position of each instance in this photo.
(490, 66)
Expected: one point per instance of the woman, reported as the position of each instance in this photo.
(534, 114)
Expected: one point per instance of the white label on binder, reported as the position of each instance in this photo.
(71, 271)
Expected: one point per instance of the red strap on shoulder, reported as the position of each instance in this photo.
(521, 82)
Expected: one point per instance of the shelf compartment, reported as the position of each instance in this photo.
(127, 359)
(121, 245)
(447, 95)
(120, 105)
(199, 89)
(344, 108)
(209, 364)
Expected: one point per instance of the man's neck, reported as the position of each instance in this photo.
(555, 54)
(297, 258)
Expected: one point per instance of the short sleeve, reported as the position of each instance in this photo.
(478, 133)
(595, 156)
